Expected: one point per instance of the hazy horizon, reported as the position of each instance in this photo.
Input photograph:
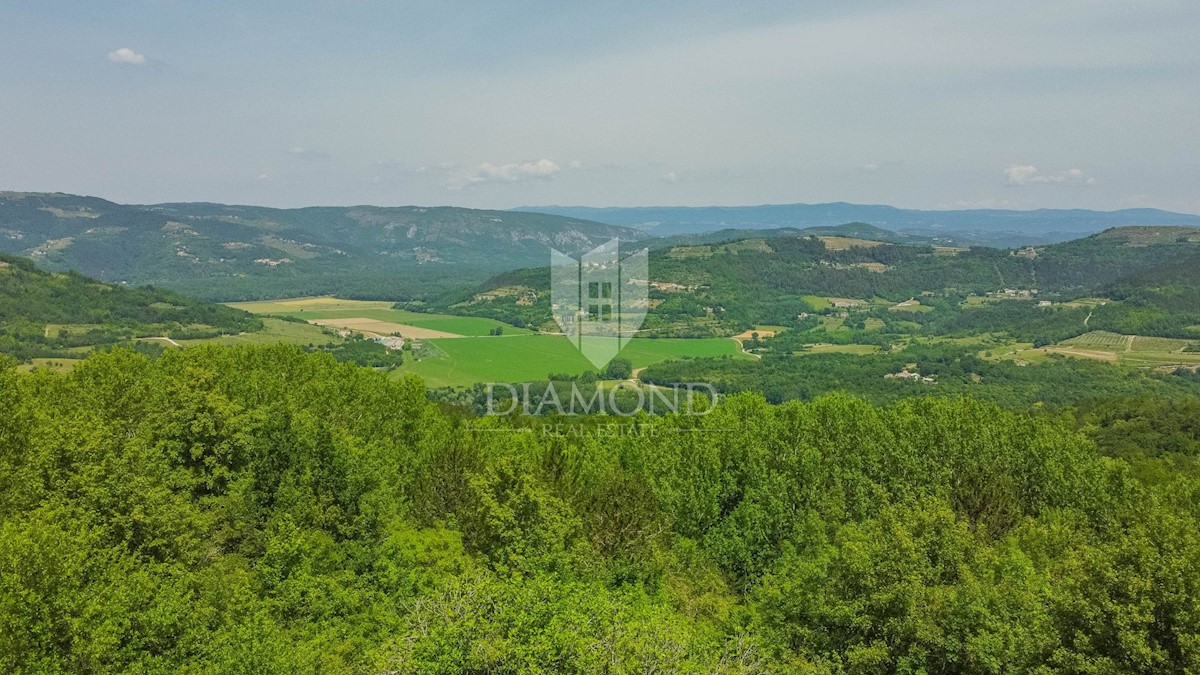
(534, 207)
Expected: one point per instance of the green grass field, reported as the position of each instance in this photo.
(1017, 351)
(817, 302)
(832, 323)
(520, 358)
(1159, 358)
(1157, 344)
(334, 308)
(1100, 339)
(58, 365)
(275, 331)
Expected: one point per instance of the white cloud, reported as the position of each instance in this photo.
(542, 169)
(1027, 174)
(307, 153)
(874, 167)
(127, 56)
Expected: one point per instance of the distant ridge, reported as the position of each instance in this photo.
(985, 226)
(236, 252)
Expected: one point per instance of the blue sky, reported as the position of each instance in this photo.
(1056, 103)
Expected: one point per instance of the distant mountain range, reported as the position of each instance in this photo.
(243, 252)
(991, 227)
(225, 252)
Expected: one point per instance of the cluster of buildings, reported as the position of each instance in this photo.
(390, 341)
(912, 377)
(273, 263)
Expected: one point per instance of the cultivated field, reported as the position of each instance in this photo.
(335, 309)
(466, 361)
(301, 304)
(1157, 344)
(857, 350)
(1100, 339)
(834, 243)
(1130, 350)
(374, 327)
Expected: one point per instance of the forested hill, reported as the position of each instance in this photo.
(764, 280)
(853, 230)
(42, 312)
(243, 252)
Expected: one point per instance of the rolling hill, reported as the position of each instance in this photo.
(765, 280)
(50, 314)
(246, 252)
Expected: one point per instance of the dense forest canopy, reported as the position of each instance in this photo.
(269, 510)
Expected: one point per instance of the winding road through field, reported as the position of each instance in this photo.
(743, 348)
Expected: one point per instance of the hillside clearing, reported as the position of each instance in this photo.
(844, 243)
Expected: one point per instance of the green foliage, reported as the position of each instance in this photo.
(618, 369)
(265, 509)
(1057, 381)
(366, 353)
(85, 312)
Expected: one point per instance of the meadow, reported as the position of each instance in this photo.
(519, 358)
(472, 353)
